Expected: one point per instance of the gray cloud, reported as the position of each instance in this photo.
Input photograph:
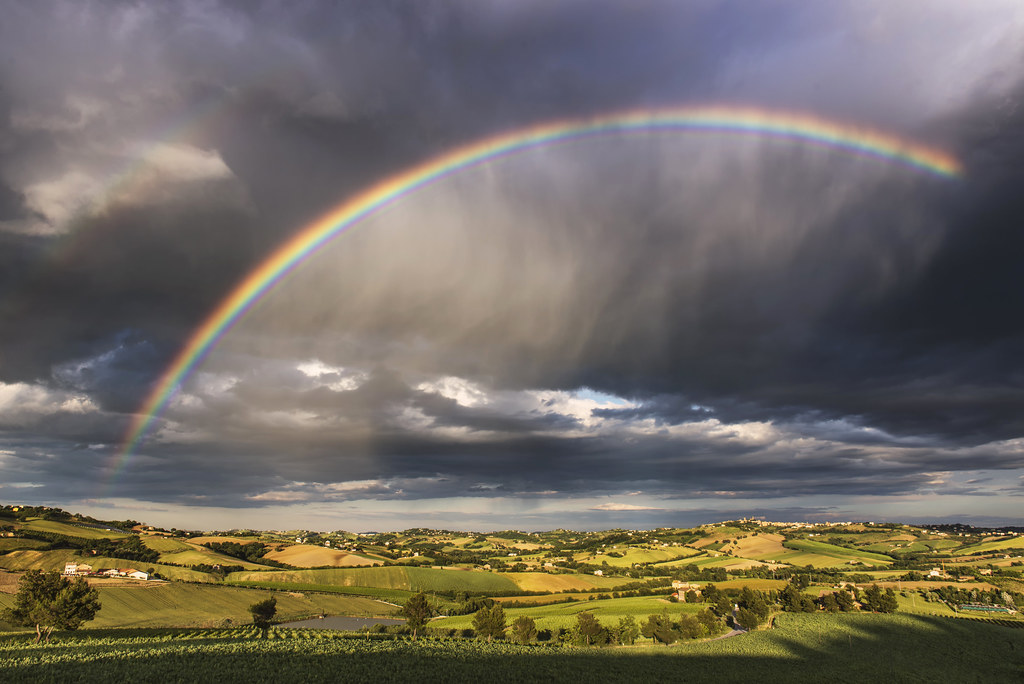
(764, 319)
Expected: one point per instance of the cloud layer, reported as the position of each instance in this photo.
(606, 331)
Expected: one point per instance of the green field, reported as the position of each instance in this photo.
(803, 648)
(399, 596)
(39, 560)
(199, 555)
(919, 546)
(823, 555)
(70, 530)
(642, 555)
(993, 546)
(557, 615)
(405, 578)
(191, 605)
(716, 561)
(181, 552)
(14, 543)
(167, 544)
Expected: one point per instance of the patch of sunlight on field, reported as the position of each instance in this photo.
(70, 530)
(990, 546)
(550, 582)
(307, 556)
(167, 544)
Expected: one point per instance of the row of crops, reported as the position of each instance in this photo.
(229, 655)
(802, 647)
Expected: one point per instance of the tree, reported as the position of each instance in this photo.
(49, 601)
(829, 603)
(660, 628)
(709, 621)
(416, 612)
(845, 601)
(711, 593)
(747, 619)
(263, 612)
(627, 630)
(489, 622)
(588, 629)
(794, 600)
(878, 602)
(689, 627)
(524, 629)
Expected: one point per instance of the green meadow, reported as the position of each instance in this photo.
(394, 577)
(556, 615)
(70, 530)
(993, 546)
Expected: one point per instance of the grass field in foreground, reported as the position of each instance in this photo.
(803, 648)
(187, 605)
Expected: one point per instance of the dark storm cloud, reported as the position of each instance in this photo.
(715, 286)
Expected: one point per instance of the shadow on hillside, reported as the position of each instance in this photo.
(811, 648)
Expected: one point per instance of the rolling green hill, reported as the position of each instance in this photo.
(407, 578)
(70, 529)
(995, 546)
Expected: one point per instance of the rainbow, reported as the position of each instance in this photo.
(729, 119)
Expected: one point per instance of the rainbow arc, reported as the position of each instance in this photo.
(307, 241)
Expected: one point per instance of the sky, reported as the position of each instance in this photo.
(632, 329)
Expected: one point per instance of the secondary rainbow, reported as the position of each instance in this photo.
(728, 119)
